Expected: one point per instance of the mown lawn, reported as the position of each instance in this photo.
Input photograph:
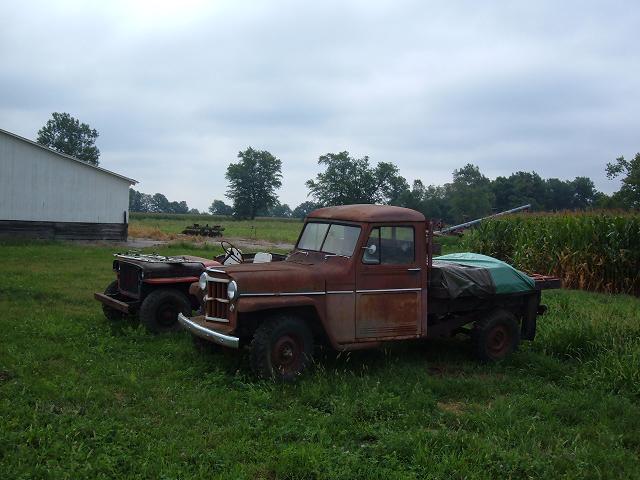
(80, 398)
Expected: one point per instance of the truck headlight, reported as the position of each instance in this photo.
(232, 290)
(202, 282)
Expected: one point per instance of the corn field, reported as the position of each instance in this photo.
(597, 251)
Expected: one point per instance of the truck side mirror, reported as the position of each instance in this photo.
(371, 249)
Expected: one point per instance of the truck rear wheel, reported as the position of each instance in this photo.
(496, 336)
(281, 348)
(159, 311)
(112, 314)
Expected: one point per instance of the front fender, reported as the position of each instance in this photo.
(255, 304)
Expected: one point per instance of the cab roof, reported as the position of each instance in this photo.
(368, 213)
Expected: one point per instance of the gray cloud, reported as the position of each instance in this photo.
(176, 89)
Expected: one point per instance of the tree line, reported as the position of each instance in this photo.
(255, 178)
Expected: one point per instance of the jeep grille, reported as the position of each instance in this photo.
(129, 279)
(217, 304)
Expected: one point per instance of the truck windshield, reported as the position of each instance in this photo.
(329, 238)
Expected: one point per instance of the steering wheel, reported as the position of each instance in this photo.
(231, 252)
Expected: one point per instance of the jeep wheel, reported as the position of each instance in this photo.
(281, 348)
(159, 311)
(496, 336)
(112, 314)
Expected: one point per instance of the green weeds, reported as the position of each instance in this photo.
(80, 398)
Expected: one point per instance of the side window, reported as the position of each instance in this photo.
(390, 246)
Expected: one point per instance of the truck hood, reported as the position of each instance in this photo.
(300, 276)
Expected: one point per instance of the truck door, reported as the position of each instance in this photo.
(389, 285)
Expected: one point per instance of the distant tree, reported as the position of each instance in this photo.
(303, 209)
(432, 201)
(178, 207)
(279, 210)
(253, 182)
(218, 207)
(138, 201)
(159, 204)
(470, 194)
(629, 193)
(347, 180)
(194, 211)
(65, 134)
(584, 192)
(560, 194)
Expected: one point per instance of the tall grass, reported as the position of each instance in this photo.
(597, 251)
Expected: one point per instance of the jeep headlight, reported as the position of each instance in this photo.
(202, 282)
(232, 290)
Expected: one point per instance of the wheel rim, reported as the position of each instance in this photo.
(167, 314)
(286, 355)
(498, 340)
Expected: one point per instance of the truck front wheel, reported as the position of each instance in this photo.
(281, 348)
(496, 336)
(159, 311)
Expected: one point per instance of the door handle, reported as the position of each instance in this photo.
(413, 269)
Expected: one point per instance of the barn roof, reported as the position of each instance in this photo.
(69, 157)
(368, 213)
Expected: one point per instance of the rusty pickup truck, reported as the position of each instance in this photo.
(360, 276)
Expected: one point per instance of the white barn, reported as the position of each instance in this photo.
(46, 194)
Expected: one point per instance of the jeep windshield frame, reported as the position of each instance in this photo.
(331, 238)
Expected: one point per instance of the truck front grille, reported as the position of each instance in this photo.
(217, 305)
(129, 279)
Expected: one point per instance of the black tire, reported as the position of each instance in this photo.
(204, 346)
(496, 336)
(281, 348)
(159, 311)
(112, 314)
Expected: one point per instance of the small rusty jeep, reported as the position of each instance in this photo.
(360, 276)
(156, 287)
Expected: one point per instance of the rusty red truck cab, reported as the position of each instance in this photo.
(357, 277)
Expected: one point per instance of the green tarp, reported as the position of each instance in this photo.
(465, 274)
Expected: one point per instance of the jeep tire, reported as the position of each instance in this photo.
(159, 310)
(496, 336)
(281, 348)
(110, 313)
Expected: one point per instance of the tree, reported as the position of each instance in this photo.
(138, 201)
(279, 210)
(347, 180)
(218, 207)
(253, 182)
(304, 209)
(470, 194)
(159, 204)
(560, 194)
(584, 192)
(67, 135)
(178, 207)
(629, 193)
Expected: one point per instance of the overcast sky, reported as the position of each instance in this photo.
(176, 89)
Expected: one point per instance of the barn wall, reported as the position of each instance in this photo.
(38, 185)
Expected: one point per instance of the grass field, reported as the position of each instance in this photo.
(167, 226)
(80, 398)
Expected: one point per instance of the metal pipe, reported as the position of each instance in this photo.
(473, 222)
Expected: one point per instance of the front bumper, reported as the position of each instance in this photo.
(112, 302)
(208, 334)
